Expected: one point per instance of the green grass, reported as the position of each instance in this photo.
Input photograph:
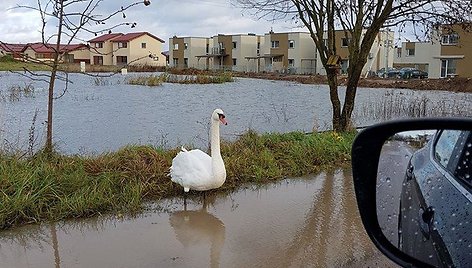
(14, 65)
(58, 187)
(157, 80)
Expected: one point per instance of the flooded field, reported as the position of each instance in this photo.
(306, 222)
(104, 114)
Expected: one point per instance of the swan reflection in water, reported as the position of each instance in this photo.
(199, 228)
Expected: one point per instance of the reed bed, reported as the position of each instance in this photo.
(39, 188)
(157, 80)
(393, 106)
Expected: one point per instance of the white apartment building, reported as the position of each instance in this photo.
(381, 54)
(290, 52)
(419, 55)
(447, 55)
(218, 52)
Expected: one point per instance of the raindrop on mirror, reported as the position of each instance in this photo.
(423, 195)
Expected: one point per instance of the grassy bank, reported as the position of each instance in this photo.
(36, 189)
(157, 80)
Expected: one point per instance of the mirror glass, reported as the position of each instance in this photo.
(424, 201)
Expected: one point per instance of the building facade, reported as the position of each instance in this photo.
(101, 49)
(380, 56)
(448, 54)
(290, 52)
(220, 52)
(140, 48)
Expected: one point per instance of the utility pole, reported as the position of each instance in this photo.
(387, 44)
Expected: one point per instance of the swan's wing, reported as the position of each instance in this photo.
(191, 168)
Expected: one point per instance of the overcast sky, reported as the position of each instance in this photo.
(163, 18)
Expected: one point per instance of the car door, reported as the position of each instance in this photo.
(447, 196)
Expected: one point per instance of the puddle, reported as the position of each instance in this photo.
(308, 222)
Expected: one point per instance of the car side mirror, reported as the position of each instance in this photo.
(413, 184)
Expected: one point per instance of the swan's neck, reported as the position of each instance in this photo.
(217, 164)
(215, 139)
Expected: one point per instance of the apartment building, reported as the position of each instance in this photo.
(185, 52)
(448, 54)
(381, 54)
(292, 52)
(456, 52)
(289, 52)
(419, 55)
(228, 52)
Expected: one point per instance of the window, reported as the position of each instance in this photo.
(143, 45)
(234, 45)
(122, 45)
(258, 45)
(234, 62)
(176, 46)
(99, 45)
(176, 62)
(399, 52)
(445, 146)
(97, 60)
(291, 62)
(121, 60)
(291, 43)
(345, 42)
(207, 48)
(448, 68)
(453, 152)
(450, 39)
(185, 45)
(185, 62)
(275, 44)
(410, 52)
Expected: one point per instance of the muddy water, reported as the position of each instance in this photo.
(309, 222)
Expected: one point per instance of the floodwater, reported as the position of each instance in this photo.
(96, 115)
(304, 222)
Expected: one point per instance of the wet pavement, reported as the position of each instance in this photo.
(393, 163)
(306, 222)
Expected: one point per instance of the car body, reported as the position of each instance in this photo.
(437, 185)
(440, 206)
(391, 73)
(406, 73)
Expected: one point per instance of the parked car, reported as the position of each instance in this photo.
(441, 169)
(435, 203)
(406, 73)
(391, 73)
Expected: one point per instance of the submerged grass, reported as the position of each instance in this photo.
(59, 187)
(157, 80)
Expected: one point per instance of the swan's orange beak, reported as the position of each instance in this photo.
(223, 120)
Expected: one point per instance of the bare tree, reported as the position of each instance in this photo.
(71, 17)
(360, 22)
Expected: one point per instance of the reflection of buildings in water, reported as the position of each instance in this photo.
(332, 229)
(197, 227)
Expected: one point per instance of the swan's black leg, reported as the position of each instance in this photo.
(185, 201)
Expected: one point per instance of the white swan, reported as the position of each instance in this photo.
(195, 169)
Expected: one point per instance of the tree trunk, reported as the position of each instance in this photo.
(48, 148)
(333, 94)
(52, 80)
(351, 89)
